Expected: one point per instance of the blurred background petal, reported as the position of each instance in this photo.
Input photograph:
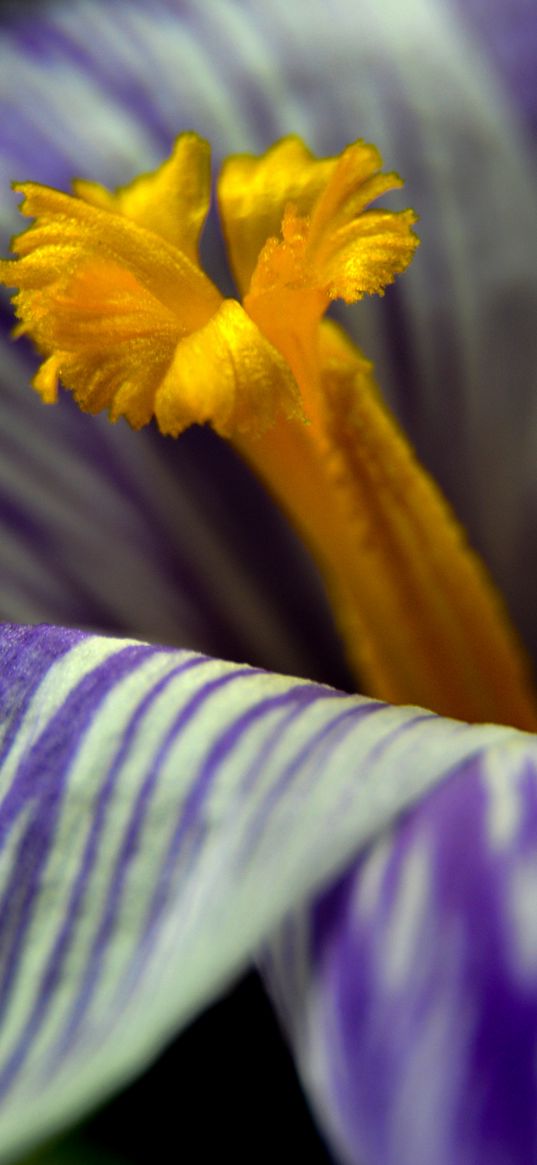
(508, 29)
(411, 993)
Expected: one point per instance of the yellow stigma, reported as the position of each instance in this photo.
(112, 293)
(113, 296)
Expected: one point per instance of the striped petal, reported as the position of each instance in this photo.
(103, 529)
(161, 812)
(410, 992)
(510, 33)
(455, 346)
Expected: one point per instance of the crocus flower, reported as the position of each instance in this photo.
(165, 815)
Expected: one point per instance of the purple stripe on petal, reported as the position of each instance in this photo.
(167, 530)
(418, 1029)
(27, 655)
(45, 541)
(509, 32)
(128, 849)
(162, 517)
(39, 786)
(186, 847)
(39, 37)
(53, 971)
(321, 746)
(168, 819)
(36, 542)
(193, 821)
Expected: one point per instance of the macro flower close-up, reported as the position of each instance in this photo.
(268, 651)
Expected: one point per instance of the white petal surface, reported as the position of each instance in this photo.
(161, 813)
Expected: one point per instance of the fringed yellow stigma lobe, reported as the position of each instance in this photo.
(300, 235)
(112, 292)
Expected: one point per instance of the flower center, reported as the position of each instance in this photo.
(112, 293)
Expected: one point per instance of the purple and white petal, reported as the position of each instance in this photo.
(98, 89)
(410, 990)
(509, 30)
(161, 813)
(104, 529)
